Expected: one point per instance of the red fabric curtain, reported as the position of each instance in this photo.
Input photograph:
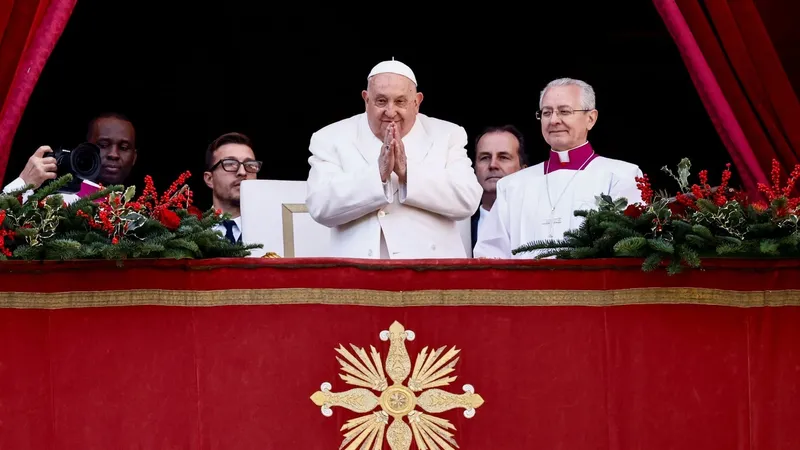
(741, 80)
(29, 30)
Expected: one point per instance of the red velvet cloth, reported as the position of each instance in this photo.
(779, 17)
(393, 276)
(29, 30)
(713, 97)
(657, 376)
(737, 47)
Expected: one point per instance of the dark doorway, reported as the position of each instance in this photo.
(188, 74)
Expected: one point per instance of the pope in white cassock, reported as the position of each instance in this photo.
(392, 183)
(537, 203)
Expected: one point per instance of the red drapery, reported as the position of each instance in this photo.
(225, 354)
(740, 79)
(29, 30)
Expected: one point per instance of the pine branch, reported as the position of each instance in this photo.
(698, 241)
(583, 253)
(63, 249)
(660, 245)
(758, 230)
(652, 262)
(707, 206)
(689, 256)
(541, 245)
(28, 253)
(50, 188)
(576, 238)
(674, 266)
(561, 254)
(703, 232)
(769, 247)
(728, 249)
(631, 246)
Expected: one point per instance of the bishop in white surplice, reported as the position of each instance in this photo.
(538, 203)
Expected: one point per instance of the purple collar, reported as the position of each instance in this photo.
(579, 158)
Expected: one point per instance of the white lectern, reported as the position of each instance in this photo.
(274, 214)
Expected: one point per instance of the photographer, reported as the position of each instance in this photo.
(115, 136)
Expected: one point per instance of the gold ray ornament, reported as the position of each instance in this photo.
(431, 371)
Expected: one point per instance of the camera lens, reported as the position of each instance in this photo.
(85, 161)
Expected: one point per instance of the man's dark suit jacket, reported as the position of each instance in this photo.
(474, 222)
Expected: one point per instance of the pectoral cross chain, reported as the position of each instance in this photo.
(551, 221)
(554, 220)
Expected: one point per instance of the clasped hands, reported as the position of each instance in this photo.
(393, 155)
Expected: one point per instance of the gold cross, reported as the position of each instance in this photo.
(430, 371)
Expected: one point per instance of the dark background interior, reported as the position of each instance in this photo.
(187, 73)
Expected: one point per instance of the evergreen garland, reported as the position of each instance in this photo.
(699, 222)
(110, 224)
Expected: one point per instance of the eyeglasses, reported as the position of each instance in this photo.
(232, 165)
(562, 112)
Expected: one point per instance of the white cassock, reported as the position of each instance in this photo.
(532, 206)
(370, 219)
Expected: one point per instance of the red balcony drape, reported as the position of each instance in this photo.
(29, 30)
(225, 354)
(740, 77)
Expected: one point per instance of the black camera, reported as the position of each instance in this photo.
(83, 162)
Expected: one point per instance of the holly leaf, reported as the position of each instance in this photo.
(134, 220)
(129, 193)
(684, 171)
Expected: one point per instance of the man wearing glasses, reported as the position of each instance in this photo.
(229, 161)
(537, 204)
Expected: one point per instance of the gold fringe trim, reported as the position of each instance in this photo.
(362, 297)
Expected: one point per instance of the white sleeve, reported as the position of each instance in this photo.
(494, 240)
(17, 185)
(336, 197)
(14, 186)
(625, 186)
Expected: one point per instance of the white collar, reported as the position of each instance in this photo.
(563, 155)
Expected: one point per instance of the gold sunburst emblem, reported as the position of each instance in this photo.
(430, 372)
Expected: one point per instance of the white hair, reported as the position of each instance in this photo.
(587, 92)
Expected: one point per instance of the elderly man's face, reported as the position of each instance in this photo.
(391, 98)
(117, 141)
(496, 155)
(561, 129)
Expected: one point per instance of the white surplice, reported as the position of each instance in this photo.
(523, 213)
